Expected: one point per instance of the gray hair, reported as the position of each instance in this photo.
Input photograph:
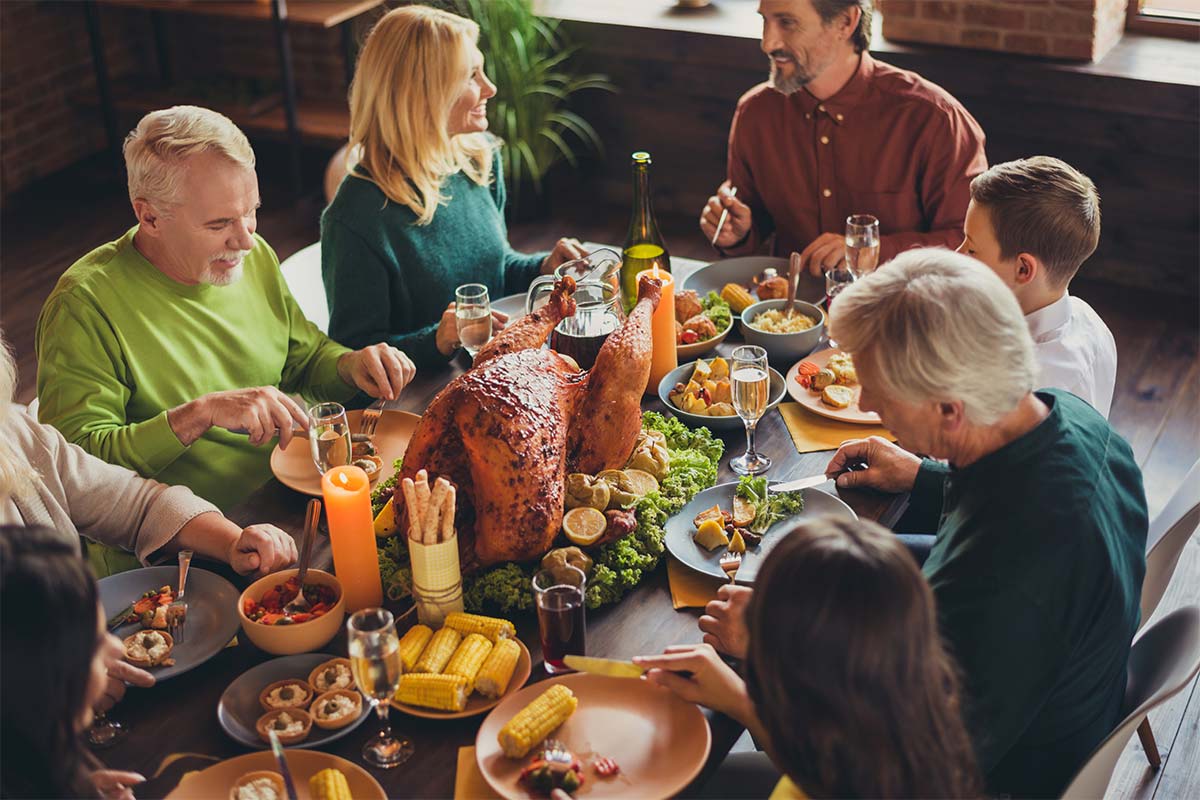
(942, 327)
(155, 151)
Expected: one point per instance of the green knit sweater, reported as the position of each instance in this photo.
(388, 279)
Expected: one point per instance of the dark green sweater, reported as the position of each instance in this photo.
(388, 279)
(1037, 570)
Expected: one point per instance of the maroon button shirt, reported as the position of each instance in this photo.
(890, 143)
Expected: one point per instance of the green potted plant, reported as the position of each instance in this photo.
(527, 57)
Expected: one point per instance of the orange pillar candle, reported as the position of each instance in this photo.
(662, 330)
(347, 491)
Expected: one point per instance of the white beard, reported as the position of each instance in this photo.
(214, 277)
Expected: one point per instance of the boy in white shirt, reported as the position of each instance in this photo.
(1034, 222)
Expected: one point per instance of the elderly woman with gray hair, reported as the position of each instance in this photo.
(1039, 512)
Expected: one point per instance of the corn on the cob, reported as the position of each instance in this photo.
(412, 644)
(738, 298)
(329, 784)
(437, 653)
(536, 721)
(469, 657)
(443, 692)
(493, 628)
(493, 677)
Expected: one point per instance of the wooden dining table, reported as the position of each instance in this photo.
(180, 715)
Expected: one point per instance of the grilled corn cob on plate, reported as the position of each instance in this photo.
(660, 741)
(477, 703)
(217, 780)
(239, 707)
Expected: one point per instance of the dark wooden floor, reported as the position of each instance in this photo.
(1156, 405)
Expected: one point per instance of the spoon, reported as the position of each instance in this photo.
(299, 604)
(793, 273)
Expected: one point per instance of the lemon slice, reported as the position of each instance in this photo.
(386, 523)
(642, 482)
(584, 526)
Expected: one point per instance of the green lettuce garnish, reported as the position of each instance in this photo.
(769, 508)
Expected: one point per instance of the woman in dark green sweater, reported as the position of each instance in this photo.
(423, 210)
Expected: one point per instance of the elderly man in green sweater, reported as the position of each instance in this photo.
(1039, 515)
(173, 350)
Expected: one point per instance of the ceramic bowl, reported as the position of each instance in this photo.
(286, 640)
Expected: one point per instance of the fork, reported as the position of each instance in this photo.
(370, 417)
(177, 610)
(730, 561)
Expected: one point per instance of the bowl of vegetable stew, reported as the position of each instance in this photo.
(260, 605)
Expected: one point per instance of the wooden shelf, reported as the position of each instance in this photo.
(323, 14)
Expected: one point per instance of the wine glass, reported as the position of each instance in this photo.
(473, 316)
(751, 384)
(862, 244)
(105, 732)
(376, 665)
(329, 436)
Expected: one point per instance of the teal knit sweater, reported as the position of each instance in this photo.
(388, 279)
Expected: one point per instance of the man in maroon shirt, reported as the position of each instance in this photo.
(835, 132)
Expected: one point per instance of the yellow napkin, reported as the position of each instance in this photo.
(469, 783)
(690, 589)
(812, 433)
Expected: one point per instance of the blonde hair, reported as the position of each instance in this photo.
(408, 77)
(942, 327)
(155, 151)
(16, 473)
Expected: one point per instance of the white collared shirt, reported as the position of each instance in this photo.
(1075, 351)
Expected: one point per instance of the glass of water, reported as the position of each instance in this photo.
(329, 436)
(473, 315)
(751, 384)
(376, 665)
(862, 244)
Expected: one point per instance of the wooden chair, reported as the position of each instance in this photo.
(1162, 662)
(1169, 534)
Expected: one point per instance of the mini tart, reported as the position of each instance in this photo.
(304, 695)
(261, 774)
(319, 715)
(297, 714)
(316, 678)
(147, 660)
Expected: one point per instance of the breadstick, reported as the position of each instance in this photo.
(410, 500)
(421, 486)
(448, 505)
(432, 519)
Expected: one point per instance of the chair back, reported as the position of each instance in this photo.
(302, 273)
(1164, 659)
(1169, 533)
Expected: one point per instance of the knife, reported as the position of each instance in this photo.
(277, 749)
(815, 480)
(605, 666)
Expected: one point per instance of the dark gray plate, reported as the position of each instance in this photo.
(683, 373)
(212, 618)
(680, 529)
(239, 708)
(741, 270)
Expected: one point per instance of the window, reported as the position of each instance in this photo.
(1176, 18)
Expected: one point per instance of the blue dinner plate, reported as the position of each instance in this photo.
(680, 530)
(239, 709)
(212, 619)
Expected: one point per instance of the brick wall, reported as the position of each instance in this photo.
(46, 66)
(1083, 30)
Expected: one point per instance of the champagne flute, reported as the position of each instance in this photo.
(376, 665)
(751, 383)
(105, 732)
(473, 316)
(329, 436)
(862, 244)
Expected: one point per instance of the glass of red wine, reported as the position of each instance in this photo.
(560, 610)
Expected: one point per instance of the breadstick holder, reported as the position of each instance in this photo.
(436, 580)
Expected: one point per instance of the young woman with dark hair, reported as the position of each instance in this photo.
(53, 669)
(847, 683)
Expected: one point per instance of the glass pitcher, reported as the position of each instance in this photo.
(598, 309)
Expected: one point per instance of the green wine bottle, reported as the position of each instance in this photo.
(644, 246)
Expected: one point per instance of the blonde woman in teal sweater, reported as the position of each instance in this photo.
(423, 210)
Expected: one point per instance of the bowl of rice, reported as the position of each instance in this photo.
(786, 339)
